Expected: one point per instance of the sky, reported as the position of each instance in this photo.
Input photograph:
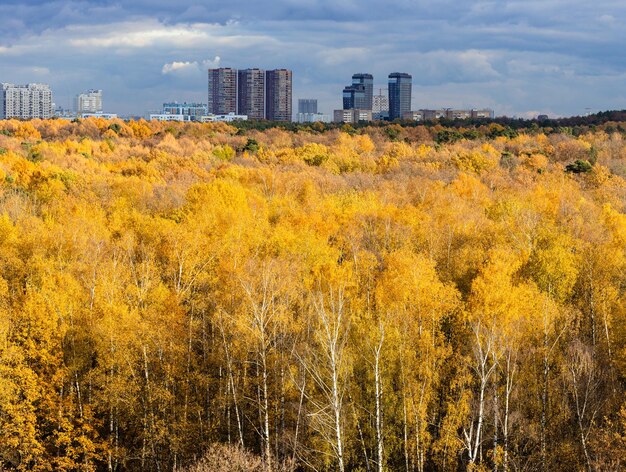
(518, 57)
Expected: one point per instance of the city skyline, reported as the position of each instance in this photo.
(517, 58)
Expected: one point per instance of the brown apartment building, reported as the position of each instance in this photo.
(278, 87)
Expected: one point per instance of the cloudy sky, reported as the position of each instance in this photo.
(519, 57)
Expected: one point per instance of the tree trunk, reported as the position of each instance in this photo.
(337, 411)
(379, 394)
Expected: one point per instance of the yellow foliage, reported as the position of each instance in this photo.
(477, 161)
(161, 290)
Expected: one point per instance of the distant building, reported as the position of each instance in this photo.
(227, 118)
(458, 114)
(354, 97)
(106, 116)
(400, 85)
(251, 93)
(88, 102)
(367, 82)
(307, 105)
(25, 101)
(60, 112)
(352, 116)
(167, 117)
(222, 91)
(192, 111)
(486, 113)
(413, 116)
(312, 118)
(433, 114)
(380, 107)
(452, 114)
(201, 119)
(278, 95)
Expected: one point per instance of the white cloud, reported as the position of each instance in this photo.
(178, 66)
(335, 56)
(189, 66)
(40, 70)
(142, 35)
(208, 64)
(151, 34)
(607, 19)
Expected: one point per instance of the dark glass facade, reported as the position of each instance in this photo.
(354, 97)
(367, 81)
(400, 85)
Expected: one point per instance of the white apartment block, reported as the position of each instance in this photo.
(89, 102)
(25, 101)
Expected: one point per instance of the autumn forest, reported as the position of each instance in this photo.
(351, 299)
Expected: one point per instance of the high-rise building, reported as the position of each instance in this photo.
(251, 93)
(88, 102)
(278, 87)
(222, 91)
(25, 101)
(367, 81)
(307, 105)
(354, 97)
(399, 94)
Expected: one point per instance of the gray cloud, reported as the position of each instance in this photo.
(515, 56)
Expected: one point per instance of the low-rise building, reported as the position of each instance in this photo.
(413, 116)
(313, 117)
(106, 116)
(227, 118)
(353, 115)
(486, 113)
(449, 114)
(433, 114)
(168, 117)
(200, 119)
(458, 114)
(192, 110)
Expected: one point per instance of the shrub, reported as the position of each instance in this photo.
(579, 167)
(233, 458)
(228, 458)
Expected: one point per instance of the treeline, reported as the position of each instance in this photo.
(359, 300)
(608, 121)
